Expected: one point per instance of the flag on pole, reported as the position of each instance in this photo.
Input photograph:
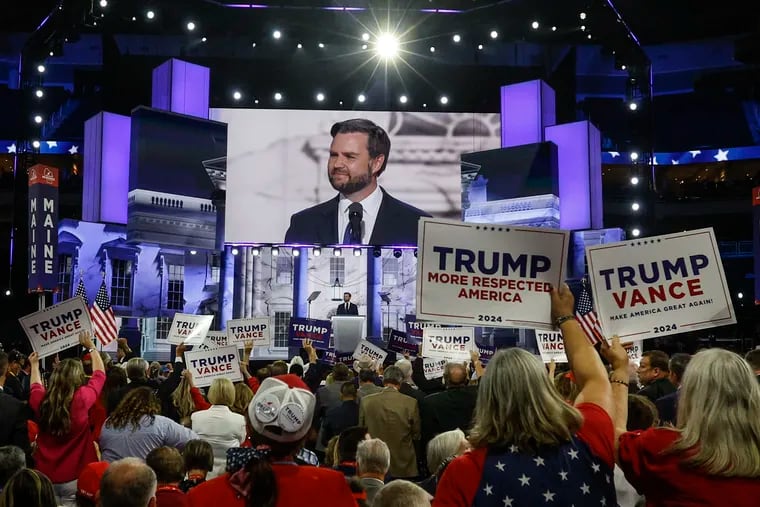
(81, 291)
(584, 312)
(103, 320)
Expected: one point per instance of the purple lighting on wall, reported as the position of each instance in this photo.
(526, 109)
(181, 87)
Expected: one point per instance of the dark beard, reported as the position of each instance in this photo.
(353, 184)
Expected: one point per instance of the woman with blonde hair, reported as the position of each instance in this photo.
(28, 488)
(220, 426)
(243, 396)
(529, 444)
(136, 427)
(64, 442)
(712, 456)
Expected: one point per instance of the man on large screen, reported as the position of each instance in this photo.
(362, 213)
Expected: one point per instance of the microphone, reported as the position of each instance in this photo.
(355, 215)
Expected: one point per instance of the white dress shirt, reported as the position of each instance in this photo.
(370, 209)
(223, 429)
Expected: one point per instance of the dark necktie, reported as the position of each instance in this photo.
(353, 232)
(346, 306)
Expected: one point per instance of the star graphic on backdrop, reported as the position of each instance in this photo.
(12, 148)
(614, 154)
(539, 461)
(604, 501)
(74, 149)
(508, 501)
(563, 475)
(549, 496)
(488, 489)
(675, 162)
(585, 489)
(513, 448)
(524, 480)
(596, 467)
(694, 153)
(722, 155)
(52, 144)
(500, 466)
(607, 477)
(573, 454)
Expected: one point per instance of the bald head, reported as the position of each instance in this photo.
(455, 375)
(128, 483)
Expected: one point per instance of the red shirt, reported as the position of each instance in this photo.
(459, 484)
(98, 416)
(296, 485)
(170, 496)
(63, 458)
(664, 481)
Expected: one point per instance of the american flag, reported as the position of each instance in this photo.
(584, 312)
(82, 292)
(103, 320)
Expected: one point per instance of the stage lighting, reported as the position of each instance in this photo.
(299, 45)
(253, 44)
(432, 49)
(397, 253)
(634, 156)
(190, 26)
(277, 34)
(235, 251)
(623, 67)
(588, 36)
(36, 144)
(376, 252)
(337, 252)
(424, 104)
(583, 28)
(278, 96)
(361, 98)
(634, 181)
(365, 36)
(316, 251)
(635, 206)
(193, 252)
(444, 100)
(38, 119)
(554, 29)
(40, 68)
(633, 106)
(364, 46)
(480, 47)
(321, 45)
(7, 292)
(150, 14)
(296, 252)
(582, 15)
(403, 99)
(39, 93)
(103, 3)
(256, 101)
(203, 39)
(738, 295)
(635, 232)
(535, 25)
(237, 95)
(456, 37)
(494, 34)
(357, 252)
(320, 97)
(275, 251)
(255, 251)
(387, 46)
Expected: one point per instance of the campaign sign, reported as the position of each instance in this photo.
(551, 346)
(206, 365)
(318, 331)
(486, 353)
(189, 329)
(214, 340)
(332, 358)
(43, 228)
(433, 367)
(634, 350)
(57, 327)
(402, 343)
(453, 344)
(414, 327)
(645, 288)
(258, 330)
(367, 349)
(494, 276)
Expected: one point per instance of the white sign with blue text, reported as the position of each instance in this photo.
(452, 344)
(651, 287)
(488, 275)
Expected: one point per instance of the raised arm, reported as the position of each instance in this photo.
(34, 360)
(85, 340)
(588, 370)
(617, 356)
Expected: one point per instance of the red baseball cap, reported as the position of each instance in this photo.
(88, 483)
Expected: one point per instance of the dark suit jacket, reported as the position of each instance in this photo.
(657, 389)
(447, 410)
(396, 224)
(407, 389)
(338, 419)
(667, 406)
(352, 309)
(13, 424)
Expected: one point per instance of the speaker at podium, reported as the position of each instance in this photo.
(348, 331)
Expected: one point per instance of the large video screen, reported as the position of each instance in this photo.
(277, 163)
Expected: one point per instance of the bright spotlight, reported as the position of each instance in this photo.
(299, 45)
(321, 45)
(364, 46)
(535, 25)
(634, 156)
(494, 34)
(277, 34)
(633, 106)
(8, 292)
(320, 97)
(635, 233)
(40, 68)
(554, 29)
(583, 28)
(635, 206)
(456, 37)
(104, 3)
(278, 96)
(403, 99)
(36, 144)
(39, 93)
(235, 251)
(191, 26)
(38, 119)
(150, 14)
(634, 181)
(204, 39)
(237, 95)
(361, 98)
(583, 15)
(444, 100)
(432, 49)
(480, 47)
(387, 46)
(358, 253)
(740, 295)
(365, 36)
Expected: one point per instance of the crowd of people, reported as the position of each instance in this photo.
(122, 432)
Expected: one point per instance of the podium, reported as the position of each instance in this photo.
(348, 331)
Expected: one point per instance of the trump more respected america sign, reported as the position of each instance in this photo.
(645, 288)
(486, 275)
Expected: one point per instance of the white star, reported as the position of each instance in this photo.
(52, 144)
(539, 461)
(604, 501)
(614, 154)
(12, 148)
(674, 162)
(74, 149)
(524, 481)
(513, 448)
(694, 153)
(508, 501)
(596, 467)
(563, 475)
(573, 454)
(488, 489)
(607, 477)
(586, 489)
(722, 155)
(548, 496)
(500, 466)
